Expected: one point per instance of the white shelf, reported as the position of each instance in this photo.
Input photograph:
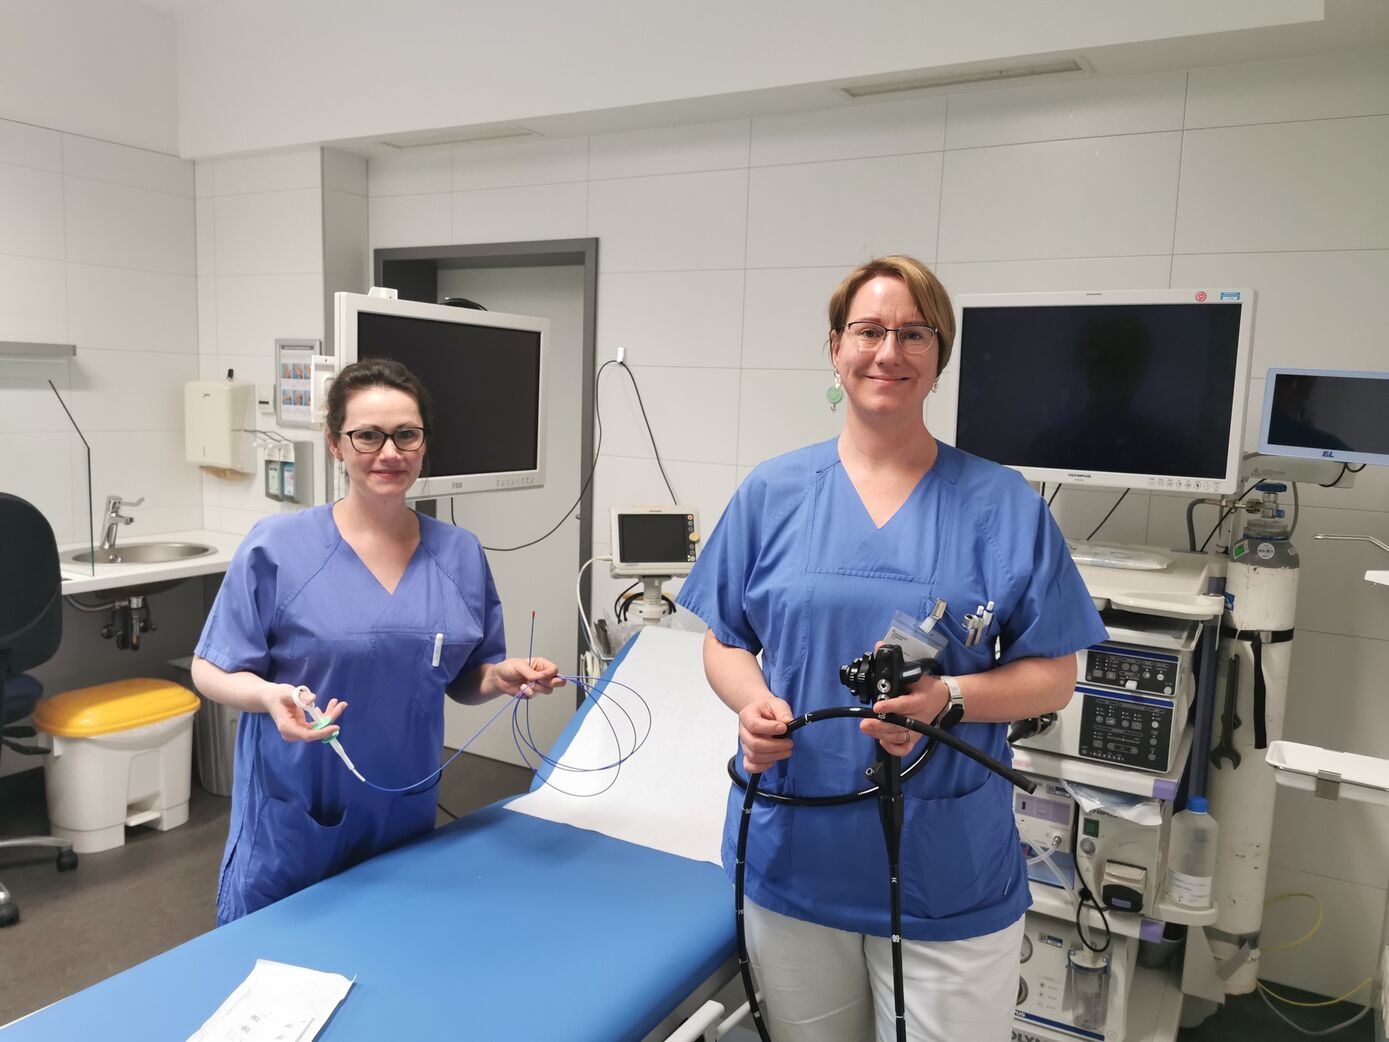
(24, 351)
(1056, 903)
(1178, 590)
(1364, 779)
(1103, 775)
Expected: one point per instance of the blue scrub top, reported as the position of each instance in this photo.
(298, 606)
(796, 570)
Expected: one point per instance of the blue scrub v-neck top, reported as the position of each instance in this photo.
(298, 606)
(797, 571)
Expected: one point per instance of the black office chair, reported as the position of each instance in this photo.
(31, 626)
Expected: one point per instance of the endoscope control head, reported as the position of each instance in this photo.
(884, 673)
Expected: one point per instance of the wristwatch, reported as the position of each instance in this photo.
(955, 708)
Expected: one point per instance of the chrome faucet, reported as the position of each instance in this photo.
(114, 518)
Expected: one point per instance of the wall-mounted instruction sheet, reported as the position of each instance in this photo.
(294, 393)
(276, 1003)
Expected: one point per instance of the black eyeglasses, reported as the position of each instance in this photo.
(369, 439)
(914, 339)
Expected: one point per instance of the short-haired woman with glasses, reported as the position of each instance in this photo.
(361, 601)
(808, 565)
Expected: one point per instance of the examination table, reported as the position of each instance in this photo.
(547, 917)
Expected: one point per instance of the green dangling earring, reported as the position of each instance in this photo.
(834, 393)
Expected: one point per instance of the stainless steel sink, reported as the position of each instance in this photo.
(141, 553)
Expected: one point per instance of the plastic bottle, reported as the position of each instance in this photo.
(1191, 856)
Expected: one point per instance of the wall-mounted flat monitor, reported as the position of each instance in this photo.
(1336, 415)
(1138, 389)
(654, 541)
(485, 372)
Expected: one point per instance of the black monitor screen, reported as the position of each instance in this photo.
(1144, 389)
(1323, 411)
(652, 538)
(485, 383)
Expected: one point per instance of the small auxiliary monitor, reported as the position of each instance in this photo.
(651, 541)
(1336, 415)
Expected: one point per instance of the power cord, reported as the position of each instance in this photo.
(1085, 895)
(593, 466)
(1107, 516)
(642, 405)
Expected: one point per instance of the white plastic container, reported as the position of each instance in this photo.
(122, 756)
(1191, 856)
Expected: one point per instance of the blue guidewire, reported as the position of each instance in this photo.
(529, 737)
(515, 709)
(522, 735)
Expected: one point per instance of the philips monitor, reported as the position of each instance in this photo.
(1328, 414)
(1137, 389)
(485, 372)
(653, 541)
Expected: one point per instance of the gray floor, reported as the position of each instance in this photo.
(123, 906)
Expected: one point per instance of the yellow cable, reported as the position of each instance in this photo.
(1328, 1002)
(1321, 914)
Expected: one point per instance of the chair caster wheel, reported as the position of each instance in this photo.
(9, 914)
(67, 860)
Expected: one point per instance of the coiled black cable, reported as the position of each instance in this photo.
(892, 828)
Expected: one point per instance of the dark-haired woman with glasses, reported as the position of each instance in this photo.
(361, 601)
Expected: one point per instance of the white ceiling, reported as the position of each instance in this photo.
(216, 92)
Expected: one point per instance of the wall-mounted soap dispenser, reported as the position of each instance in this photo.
(215, 414)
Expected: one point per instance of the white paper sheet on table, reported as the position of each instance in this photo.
(672, 793)
(276, 1002)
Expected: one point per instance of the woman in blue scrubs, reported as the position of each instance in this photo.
(816, 552)
(369, 604)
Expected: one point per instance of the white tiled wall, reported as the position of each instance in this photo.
(277, 235)
(97, 250)
(719, 245)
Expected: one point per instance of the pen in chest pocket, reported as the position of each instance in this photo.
(438, 649)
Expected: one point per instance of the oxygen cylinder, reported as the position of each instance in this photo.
(1255, 654)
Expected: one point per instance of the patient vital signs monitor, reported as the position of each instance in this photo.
(484, 371)
(1139, 389)
(653, 541)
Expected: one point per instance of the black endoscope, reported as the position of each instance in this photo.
(880, 674)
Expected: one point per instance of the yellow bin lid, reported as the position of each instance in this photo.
(121, 705)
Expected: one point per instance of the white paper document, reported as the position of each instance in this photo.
(276, 1003)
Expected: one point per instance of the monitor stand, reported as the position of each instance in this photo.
(1101, 555)
(651, 609)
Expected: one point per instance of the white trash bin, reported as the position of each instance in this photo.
(122, 756)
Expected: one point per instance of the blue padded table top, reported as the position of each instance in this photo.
(498, 926)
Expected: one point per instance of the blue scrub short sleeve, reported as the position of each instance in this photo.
(714, 590)
(492, 647)
(1053, 615)
(237, 634)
